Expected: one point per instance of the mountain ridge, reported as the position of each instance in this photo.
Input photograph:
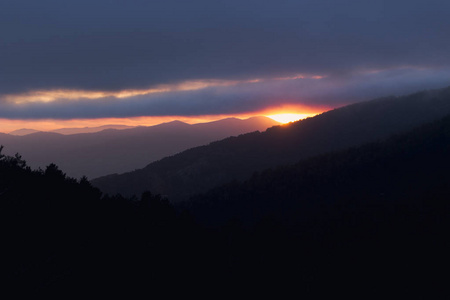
(380, 173)
(111, 150)
(200, 169)
(70, 130)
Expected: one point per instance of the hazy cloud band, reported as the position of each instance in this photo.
(238, 98)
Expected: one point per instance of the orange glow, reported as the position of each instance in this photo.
(293, 112)
(281, 113)
(290, 117)
(7, 126)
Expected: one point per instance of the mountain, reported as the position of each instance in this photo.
(26, 131)
(23, 131)
(405, 170)
(202, 168)
(90, 129)
(369, 220)
(111, 150)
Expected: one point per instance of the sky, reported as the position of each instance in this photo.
(139, 62)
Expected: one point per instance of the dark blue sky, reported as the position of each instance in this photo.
(361, 49)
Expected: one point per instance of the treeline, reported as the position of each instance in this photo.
(63, 237)
(363, 222)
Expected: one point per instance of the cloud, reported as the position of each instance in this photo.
(133, 45)
(61, 94)
(240, 97)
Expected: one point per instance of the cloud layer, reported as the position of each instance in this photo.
(363, 49)
(314, 94)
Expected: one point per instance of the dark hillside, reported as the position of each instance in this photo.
(61, 238)
(366, 220)
(407, 169)
(363, 222)
(200, 169)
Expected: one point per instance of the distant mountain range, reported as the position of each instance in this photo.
(112, 151)
(26, 131)
(23, 131)
(374, 216)
(365, 220)
(199, 169)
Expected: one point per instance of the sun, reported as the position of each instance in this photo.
(286, 118)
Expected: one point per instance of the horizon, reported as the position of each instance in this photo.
(282, 118)
(189, 147)
(139, 63)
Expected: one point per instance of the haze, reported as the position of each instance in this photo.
(78, 63)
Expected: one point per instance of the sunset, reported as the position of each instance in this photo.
(214, 147)
(289, 117)
(155, 60)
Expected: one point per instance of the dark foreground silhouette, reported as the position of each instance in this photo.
(368, 222)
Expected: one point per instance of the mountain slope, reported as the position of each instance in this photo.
(363, 219)
(406, 170)
(200, 169)
(108, 151)
(369, 221)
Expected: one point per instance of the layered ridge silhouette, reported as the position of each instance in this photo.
(369, 220)
(113, 151)
(202, 168)
(75, 130)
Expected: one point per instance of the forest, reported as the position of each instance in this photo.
(364, 221)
